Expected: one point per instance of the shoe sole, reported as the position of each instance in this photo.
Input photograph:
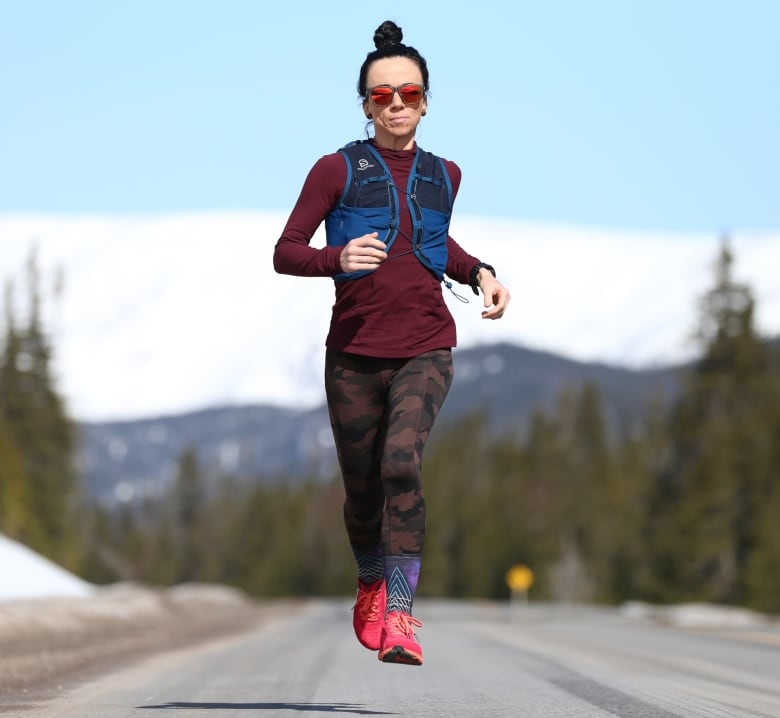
(398, 654)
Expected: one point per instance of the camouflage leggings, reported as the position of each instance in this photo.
(381, 413)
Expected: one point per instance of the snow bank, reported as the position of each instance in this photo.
(697, 615)
(26, 574)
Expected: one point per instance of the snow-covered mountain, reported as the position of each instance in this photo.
(168, 313)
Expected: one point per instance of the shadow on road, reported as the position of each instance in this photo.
(321, 707)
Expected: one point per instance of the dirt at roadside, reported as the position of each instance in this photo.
(44, 643)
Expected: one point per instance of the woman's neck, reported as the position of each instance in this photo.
(394, 143)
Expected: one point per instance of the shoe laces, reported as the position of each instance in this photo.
(399, 622)
(367, 606)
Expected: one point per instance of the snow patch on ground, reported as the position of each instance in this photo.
(26, 574)
(697, 615)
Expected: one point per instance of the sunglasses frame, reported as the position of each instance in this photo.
(395, 90)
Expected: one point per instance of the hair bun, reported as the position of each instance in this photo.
(388, 33)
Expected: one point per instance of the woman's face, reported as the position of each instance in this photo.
(396, 123)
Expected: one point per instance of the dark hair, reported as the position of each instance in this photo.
(387, 39)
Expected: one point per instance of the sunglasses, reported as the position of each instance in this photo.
(410, 94)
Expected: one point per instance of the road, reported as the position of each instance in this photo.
(481, 659)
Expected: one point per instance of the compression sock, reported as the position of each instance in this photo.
(402, 572)
(370, 564)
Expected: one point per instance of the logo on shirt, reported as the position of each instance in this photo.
(363, 164)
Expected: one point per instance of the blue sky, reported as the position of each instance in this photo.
(658, 115)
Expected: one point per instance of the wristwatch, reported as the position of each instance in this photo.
(475, 272)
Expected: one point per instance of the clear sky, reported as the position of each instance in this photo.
(659, 115)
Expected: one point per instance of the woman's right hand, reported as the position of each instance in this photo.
(364, 253)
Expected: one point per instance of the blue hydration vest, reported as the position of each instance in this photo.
(369, 203)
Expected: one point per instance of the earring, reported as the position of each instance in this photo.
(424, 112)
(369, 116)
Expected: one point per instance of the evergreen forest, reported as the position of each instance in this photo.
(681, 506)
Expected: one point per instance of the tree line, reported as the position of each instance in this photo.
(681, 506)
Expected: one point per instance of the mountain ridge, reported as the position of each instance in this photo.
(124, 460)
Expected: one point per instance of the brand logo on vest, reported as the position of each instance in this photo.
(363, 164)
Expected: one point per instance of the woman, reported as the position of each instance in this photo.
(386, 205)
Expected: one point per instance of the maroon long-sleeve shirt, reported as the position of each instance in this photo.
(398, 310)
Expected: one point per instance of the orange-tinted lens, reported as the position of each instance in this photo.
(382, 95)
(410, 94)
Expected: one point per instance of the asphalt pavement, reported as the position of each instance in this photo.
(481, 659)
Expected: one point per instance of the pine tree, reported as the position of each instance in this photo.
(720, 469)
(188, 501)
(37, 427)
(544, 471)
(640, 457)
(599, 492)
(15, 519)
(454, 474)
(762, 578)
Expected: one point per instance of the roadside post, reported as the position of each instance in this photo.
(519, 578)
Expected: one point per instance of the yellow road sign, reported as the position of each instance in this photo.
(519, 577)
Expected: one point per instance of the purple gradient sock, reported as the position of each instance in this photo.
(402, 572)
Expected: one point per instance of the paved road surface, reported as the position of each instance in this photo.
(480, 660)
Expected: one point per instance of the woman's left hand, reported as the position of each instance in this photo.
(496, 295)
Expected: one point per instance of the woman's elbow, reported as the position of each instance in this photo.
(279, 259)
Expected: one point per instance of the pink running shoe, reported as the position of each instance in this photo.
(368, 613)
(399, 644)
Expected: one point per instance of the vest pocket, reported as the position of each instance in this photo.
(436, 227)
(347, 223)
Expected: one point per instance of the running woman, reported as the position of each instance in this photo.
(386, 205)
